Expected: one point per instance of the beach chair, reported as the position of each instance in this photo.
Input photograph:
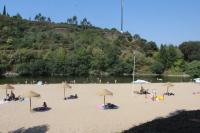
(169, 94)
(144, 91)
(110, 106)
(159, 98)
(72, 97)
(43, 108)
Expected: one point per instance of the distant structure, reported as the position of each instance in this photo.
(4, 10)
(133, 66)
(122, 15)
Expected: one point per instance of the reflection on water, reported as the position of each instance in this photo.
(110, 79)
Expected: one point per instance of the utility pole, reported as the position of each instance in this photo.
(122, 15)
(133, 66)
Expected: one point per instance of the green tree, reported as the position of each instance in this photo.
(150, 48)
(4, 11)
(193, 69)
(18, 16)
(137, 37)
(168, 55)
(172, 55)
(85, 23)
(49, 19)
(190, 50)
(23, 69)
(2, 69)
(60, 54)
(163, 56)
(157, 68)
(97, 62)
(128, 36)
(40, 18)
(69, 21)
(38, 68)
(74, 19)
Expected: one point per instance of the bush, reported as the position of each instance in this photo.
(23, 69)
(190, 50)
(157, 68)
(36, 68)
(193, 69)
(2, 69)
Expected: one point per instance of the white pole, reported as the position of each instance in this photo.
(133, 66)
(122, 15)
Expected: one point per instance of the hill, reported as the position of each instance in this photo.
(41, 47)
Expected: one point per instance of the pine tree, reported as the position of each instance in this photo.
(4, 10)
(163, 56)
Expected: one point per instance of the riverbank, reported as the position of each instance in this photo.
(82, 115)
(87, 80)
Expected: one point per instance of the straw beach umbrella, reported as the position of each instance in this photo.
(31, 94)
(168, 85)
(105, 93)
(7, 87)
(66, 86)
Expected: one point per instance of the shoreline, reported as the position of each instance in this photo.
(106, 83)
(14, 75)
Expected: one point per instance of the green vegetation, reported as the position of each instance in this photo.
(193, 69)
(157, 68)
(191, 50)
(42, 47)
(4, 10)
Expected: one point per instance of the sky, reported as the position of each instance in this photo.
(162, 21)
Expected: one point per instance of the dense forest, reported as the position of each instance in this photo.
(77, 48)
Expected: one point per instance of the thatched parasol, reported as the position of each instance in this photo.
(105, 93)
(66, 86)
(7, 87)
(31, 94)
(168, 85)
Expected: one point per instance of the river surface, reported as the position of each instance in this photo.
(109, 79)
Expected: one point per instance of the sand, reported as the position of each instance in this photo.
(82, 115)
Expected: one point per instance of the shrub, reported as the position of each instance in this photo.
(2, 69)
(193, 69)
(23, 69)
(157, 68)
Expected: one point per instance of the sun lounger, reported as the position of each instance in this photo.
(110, 106)
(19, 98)
(72, 97)
(100, 106)
(41, 109)
(196, 93)
(144, 92)
(107, 106)
(159, 98)
(169, 94)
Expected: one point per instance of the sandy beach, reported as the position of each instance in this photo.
(82, 116)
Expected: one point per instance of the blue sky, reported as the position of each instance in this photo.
(162, 21)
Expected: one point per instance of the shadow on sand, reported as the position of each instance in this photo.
(177, 122)
(35, 129)
(41, 109)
